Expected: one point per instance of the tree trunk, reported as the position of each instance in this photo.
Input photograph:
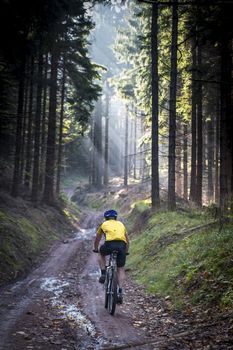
(98, 156)
(217, 138)
(91, 156)
(36, 160)
(210, 155)
(106, 147)
(126, 147)
(144, 163)
(225, 120)
(193, 177)
(29, 128)
(185, 161)
(18, 140)
(199, 131)
(172, 111)
(178, 159)
(60, 142)
(155, 196)
(130, 148)
(44, 124)
(24, 127)
(142, 154)
(51, 140)
(135, 148)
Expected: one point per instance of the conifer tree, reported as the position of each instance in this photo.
(172, 111)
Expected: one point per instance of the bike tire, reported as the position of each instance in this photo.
(112, 297)
(106, 291)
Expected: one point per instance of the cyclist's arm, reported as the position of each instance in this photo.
(98, 239)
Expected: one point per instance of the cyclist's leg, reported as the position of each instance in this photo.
(121, 257)
(121, 276)
(102, 261)
(102, 265)
(103, 251)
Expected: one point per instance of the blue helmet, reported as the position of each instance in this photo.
(110, 214)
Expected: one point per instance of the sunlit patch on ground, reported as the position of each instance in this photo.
(95, 274)
(72, 313)
(69, 311)
(85, 233)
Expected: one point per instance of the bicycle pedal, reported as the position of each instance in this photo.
(120, 299)
(102, 279)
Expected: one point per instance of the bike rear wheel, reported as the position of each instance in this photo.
(112, 296)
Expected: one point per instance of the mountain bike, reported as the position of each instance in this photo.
(111, 283)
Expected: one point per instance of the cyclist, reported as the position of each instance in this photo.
(116, 238)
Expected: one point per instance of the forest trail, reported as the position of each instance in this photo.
(60, 306)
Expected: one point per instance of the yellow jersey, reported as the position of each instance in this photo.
(113, 230)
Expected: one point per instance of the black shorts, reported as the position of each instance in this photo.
(109, 246)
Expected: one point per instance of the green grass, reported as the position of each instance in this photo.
(31, 232)
(196, 269)
(26, 232)
(141, 206)
(20, 241)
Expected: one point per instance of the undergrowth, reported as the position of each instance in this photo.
(196, 268)
(26, 232)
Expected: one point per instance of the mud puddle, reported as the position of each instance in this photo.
(66, 310)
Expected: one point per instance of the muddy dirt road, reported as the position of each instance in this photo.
(59, 306)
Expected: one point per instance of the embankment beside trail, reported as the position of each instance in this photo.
(27, 232)
(183, 256)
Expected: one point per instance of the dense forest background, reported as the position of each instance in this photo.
(155, 106)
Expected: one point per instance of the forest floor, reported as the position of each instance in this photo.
(60, 306)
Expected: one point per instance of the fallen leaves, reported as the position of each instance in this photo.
(194, 329)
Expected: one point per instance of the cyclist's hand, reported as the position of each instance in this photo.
(95, 250)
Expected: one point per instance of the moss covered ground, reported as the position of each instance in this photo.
(188, 266)
(27, 232)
